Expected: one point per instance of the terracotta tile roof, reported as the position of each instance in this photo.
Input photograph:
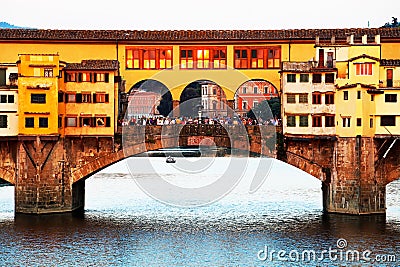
(192, 35)
(354, 85)
(390, 62)
(363, 56)
(100, 64)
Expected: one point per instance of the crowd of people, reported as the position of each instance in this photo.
(160, 120)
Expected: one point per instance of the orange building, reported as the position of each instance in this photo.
(88, 99)
(143, 104)
(251, 93)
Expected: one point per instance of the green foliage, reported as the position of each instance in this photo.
(393, 24)
(267, 109)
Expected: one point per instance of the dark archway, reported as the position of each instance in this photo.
(205, 96)
(148, 98)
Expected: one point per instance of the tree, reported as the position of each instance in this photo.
(266, 110)
(192, 96)
(394, 24)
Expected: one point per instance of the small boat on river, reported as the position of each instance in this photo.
(170, 159)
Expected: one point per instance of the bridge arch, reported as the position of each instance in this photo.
(203, 98)
(147, 98)
(158, 137)
(7, 174)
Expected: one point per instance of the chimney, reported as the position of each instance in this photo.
(316, 40)
(333, 40)
(350, 39)
(377, 39)
(364, 39)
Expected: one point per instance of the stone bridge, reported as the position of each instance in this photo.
(49, 172)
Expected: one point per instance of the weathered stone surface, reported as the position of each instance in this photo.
(51, 171)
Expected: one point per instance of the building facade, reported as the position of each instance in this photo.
(251, 93)
(88, 100)
(38, 85)
(213, 100)
(8, 100)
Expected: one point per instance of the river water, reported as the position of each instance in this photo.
(123, 226)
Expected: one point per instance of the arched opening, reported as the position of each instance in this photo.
(203, 98)
(148, 98)
(258, 99)
(393, 198)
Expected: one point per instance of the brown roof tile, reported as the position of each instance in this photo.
(192, 35)
(390, 62)
(101, 64)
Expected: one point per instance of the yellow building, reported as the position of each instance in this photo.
(37, 94)
(88, 101)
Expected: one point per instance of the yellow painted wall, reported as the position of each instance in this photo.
(109, 88)
(30, 78)
(176, 80)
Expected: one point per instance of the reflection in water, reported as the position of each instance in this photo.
(122, 226)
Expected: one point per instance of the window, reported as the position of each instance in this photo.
(70, 77)
(316, 121)
(345, 95)
(244, 105)
(359, 121)
(346, 122)
(303, 98)
(43, 122)
(363, 68)
(291, 121)
(304, 121)
(148, 58)
(330, 121)
(388, 120)
(3, 98)
(38, 98)
(241, 59)
(100, 98)
(86, 121)
(291, 98)
(60, 97)
(244, 90)
(316, 98)
(329, 98)
(203, 57)
(358, 94)
(265, 89)
(304, 78)
(10, 98)
(371, 123)
(329, 78)
(29, 122)
(3, 121)
(48, 72)
(391, 98)
(100, 122)
(316, 78)
(70, 122)
(86, 98)
(291, 78)
(255, 103)
(257, 57)
(59, 121)
(372, 97)
(255, 90)
(100, 77)
(70, 98)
